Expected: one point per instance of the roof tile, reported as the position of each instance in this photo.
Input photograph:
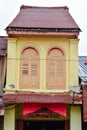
(43, 17)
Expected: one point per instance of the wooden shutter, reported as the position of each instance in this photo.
(56, 69)
(29, 75)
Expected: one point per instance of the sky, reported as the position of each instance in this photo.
(77, 8)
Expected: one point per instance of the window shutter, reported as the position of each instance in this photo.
(55, 69)
(25, 69)
(34, 69)
(29, 76)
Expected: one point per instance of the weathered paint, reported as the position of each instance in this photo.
(73, 78)
(11, 62)
(75, 118)
(42, 44)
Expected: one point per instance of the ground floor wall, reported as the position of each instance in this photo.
(75, 118)
(9, 118)
(13, 119)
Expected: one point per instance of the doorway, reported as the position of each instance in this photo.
(44, 125)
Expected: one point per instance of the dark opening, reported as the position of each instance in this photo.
(1, 122)
(44, 125)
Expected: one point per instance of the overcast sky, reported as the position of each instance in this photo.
(77, 8)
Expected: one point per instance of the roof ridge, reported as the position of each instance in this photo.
(52, 7)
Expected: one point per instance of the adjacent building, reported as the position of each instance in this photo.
(3, 61)
(83, 83)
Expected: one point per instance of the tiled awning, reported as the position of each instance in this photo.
(37, 98)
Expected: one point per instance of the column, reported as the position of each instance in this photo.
(73, 62)
(9, 119)
(75, 118)
(11, 62)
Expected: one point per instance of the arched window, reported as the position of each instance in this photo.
(29, 71)
(56, 74)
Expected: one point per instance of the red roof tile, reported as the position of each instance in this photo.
(37, 98)
(44, 17)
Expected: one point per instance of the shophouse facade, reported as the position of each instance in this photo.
(42, 67)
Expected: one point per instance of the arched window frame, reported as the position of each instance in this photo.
(26, 69)
(62, 85)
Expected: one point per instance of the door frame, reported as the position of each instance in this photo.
(20, 123)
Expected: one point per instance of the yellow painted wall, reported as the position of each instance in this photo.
(42, 44)
(9, 118)
(11, 61)
(75, 118)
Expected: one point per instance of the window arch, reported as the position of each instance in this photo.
(29, 69)
(56, 74)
